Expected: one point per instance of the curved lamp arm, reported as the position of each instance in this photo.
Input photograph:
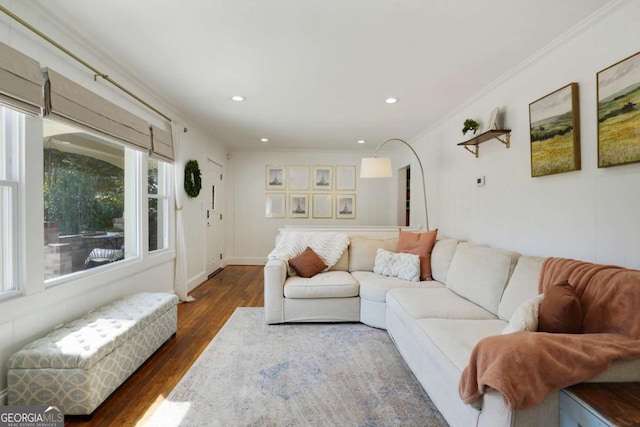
(424, 183)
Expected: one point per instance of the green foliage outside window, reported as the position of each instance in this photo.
(82, 193)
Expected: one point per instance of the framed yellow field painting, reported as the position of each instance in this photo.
(619, 113)
(554, 124)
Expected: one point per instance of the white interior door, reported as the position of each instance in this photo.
(215, 198)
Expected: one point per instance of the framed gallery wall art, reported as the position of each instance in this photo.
(619, 113)
(322, 177)
(346, 178)
(345, 206)
(298, 205)
(322, 205)
(298, 177)
(554, 124)
(275, 205)
(275, 177)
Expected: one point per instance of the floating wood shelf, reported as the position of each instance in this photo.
(486, 136)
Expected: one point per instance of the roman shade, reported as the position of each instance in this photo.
(20, 81)
(70, 101)
(161, 144)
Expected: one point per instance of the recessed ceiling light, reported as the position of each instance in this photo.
(238, 98)
(264, 139)
(361, 141)
(391, 100)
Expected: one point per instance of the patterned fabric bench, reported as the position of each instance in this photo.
(80, 364)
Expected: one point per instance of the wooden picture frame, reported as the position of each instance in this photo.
(275, 205)
(298, 176)
(345, 206)
(298, 205)
(618, 94)
(322, 205)
(554, 130)
(322, 176)
(275, 177)
(345, 178)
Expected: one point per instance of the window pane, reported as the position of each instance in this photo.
(11, 136)
(158, 204)
(152, 177)
(84, 200)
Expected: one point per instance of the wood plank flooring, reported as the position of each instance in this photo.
(198, 323)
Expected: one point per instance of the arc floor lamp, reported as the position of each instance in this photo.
(380, 167)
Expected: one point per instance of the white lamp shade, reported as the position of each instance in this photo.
(375, 167)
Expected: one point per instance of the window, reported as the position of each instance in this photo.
(11, 136)
(89, 188)
(158, 192)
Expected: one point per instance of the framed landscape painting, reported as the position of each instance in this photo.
(322, 177)
(275, 177)
(298, 205)
(345, 206)
(554, 124)
(619, 113)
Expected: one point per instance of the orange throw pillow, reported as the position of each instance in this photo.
(307, 263)
(560, 311)
(420, 244)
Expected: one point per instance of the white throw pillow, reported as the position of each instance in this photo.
(403, 266)
(525, 317)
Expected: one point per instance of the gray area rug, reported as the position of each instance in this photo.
(253, 374)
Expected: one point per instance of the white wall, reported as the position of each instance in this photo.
(592, 214)
(38, 310)
(250, 236)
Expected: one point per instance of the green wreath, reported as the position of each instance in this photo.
(192, 178)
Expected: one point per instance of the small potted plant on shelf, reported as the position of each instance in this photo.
(470, 124)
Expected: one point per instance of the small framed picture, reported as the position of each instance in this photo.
(298, 177)
(298, 205)
(322, 177)
(275, 205)
(322, 205)
(345, 206)
(275, 177)
(345, 178)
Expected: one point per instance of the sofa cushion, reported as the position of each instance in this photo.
(343, 263)
(374, 287)
(456, 338)
(362, 251)
(560, 311)
(420, 244)
(330, 284)
(480, 273)
(525, 318)
(401, 265)
(441, 257)
(522, 286)
(410, 304)
(307, 264)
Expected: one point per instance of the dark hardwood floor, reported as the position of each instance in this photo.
(198, 323)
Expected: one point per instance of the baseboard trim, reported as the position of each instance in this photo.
(246, 261)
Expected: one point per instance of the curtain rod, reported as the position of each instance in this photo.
(97, 72)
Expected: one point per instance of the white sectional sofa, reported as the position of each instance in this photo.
(434, 324)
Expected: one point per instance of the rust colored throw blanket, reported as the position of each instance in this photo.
(526, 366)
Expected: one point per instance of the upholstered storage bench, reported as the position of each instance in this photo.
(80, 364)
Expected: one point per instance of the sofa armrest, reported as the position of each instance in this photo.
(275, 274)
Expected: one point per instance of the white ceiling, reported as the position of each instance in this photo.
(315, 73)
